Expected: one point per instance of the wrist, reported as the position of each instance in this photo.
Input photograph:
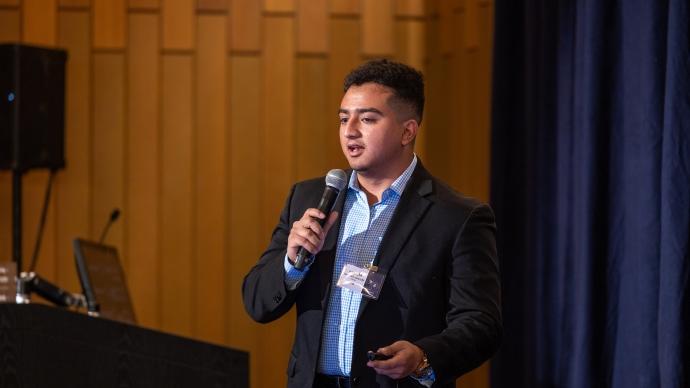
(423, 369)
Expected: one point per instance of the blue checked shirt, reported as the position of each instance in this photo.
(361, 231)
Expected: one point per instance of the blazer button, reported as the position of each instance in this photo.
(355, 380)
(277, 298)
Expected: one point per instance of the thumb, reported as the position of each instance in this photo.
(330, 222)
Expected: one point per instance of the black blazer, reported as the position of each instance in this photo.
(442, 290)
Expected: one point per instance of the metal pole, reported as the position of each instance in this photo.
(17, 219)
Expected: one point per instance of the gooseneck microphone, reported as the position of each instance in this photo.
(336, 180)
(114, 215)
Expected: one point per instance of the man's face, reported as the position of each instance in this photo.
(372, 133)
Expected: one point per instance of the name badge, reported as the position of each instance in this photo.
(366, 281)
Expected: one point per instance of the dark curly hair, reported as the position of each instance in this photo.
(406, 82)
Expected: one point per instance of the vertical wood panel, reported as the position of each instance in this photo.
(9, 25)
(316, 125)
(178, 24)
(432, 7)
(153, 5)
(471, 25)
(9, 3)
(108, 145)
(245, 25)
(244, 181)
(278, 104)
(377, 28)
(445, 29)
(210, 171)
(345, 7)
(411, 49)
(312, 26)
(279, 5)
(39, 22)
(437, 110)
(212, 5)
(344, 56)
(278, 169)
(410, 7)
(109, 23)
(143, 168)
(9, 32)
(74, 3)
(73, 189)
(176, 198)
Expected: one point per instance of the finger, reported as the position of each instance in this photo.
(312, 225)
(303, 236)
(306, 227)
(313, 213)
(393, 348)
(299, 232)
(313, 232)
(385, 364)
(306, 244)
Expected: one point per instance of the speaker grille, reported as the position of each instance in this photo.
(32, 107)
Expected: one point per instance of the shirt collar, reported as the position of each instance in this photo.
(397, 186)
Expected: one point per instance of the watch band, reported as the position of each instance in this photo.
(423, 368)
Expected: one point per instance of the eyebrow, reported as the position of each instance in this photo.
(361, 110)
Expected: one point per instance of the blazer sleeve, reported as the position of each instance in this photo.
(474, 327)
(265, 296)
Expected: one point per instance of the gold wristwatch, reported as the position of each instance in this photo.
(423, 369)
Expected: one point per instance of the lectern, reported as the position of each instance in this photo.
(42, 346)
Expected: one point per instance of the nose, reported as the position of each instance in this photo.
(351, 128)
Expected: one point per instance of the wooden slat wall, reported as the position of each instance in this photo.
(196, 116)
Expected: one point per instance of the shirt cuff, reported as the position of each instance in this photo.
(428, 379)
(293, 276)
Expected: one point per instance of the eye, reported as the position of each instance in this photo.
(343, 120)
(368, 120)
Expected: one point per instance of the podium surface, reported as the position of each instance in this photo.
(43, 346)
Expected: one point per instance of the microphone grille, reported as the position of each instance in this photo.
(337, 179)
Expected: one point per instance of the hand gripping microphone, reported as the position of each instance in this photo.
(336, 180)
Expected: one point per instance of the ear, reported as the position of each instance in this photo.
(410, 128)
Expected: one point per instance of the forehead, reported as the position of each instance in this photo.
(369, 95)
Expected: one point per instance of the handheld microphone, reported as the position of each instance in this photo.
(336, 180)
(114, 215)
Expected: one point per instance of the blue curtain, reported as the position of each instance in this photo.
(591, 188)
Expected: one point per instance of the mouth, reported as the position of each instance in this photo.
(355, 149)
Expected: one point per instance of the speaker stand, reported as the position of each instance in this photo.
(17, 218)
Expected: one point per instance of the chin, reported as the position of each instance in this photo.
(357, 166)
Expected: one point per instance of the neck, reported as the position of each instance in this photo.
(375, 184)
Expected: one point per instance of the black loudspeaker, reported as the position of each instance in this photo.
(32, 107)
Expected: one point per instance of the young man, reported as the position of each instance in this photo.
(436, 310)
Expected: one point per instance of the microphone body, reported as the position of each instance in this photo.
(31, 282)
(336, 180)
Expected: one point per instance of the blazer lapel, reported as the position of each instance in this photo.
(411, 208)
